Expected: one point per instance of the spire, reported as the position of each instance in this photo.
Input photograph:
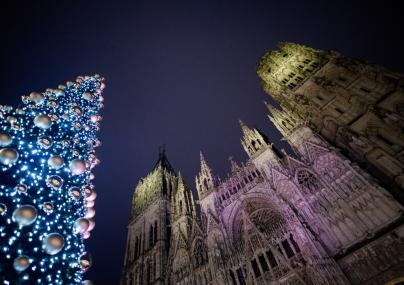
(253, 140)
(284, 121)
(234, 165)
(205, 180)
(183, 200)
(163, 161)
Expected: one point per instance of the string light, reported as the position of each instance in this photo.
(46, 195)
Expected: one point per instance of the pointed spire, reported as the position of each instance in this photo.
(253, 140)
(272, 110)
(283, 120)
(234, 165)
(163, 160)
(205, 180)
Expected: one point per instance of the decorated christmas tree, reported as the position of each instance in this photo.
(46, 195)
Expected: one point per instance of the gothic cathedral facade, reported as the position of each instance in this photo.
(331, 213)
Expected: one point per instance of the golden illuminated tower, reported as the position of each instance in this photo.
(356, 106)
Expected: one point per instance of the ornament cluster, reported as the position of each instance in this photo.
(46, 192)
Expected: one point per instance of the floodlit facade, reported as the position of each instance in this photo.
(328, 214)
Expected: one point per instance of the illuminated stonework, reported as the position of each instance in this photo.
(314, 217)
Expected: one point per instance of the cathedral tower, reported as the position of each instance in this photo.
(355, 106)
(149, 230)
(317, 216)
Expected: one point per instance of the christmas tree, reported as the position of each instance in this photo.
(46, 195)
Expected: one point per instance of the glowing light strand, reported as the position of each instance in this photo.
(46, 195)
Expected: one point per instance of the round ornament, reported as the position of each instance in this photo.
(81, 225)
(3, 209)
(5, 139)
(47, 207)
(19, 111)
(43, 122)
(36, 97)
(55, 162)
(8, 156)
(77, 125)
(75, 193)
(21, 188)
(88, 190)
(52, 103)
(11, 119)
(86, 261)
(92, 225)
(45, 142)
(92, 196)
(77, 166)
(54, 181)
(24, 215)
(59, 92)
(21, 263)
(87, 282)
(87, 96)
(90, 213)
(53, 243)
(77, 111)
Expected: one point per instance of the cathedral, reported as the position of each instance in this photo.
(329, 213)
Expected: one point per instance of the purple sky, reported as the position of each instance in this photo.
(178, 73)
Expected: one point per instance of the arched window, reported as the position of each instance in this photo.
(307, 180)
(136, 247)
(155, 232)
(151, 236)
(254, 145)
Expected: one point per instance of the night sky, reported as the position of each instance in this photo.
(177, 73)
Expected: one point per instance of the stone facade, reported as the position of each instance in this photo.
(328, 214)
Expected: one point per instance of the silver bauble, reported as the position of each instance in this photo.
(77, 166)
(86, 235)
(92, 196)
(8, 156)
(92, 225)
(36, 97)
(77, 125)
(59, 92)
(54, 181)
(43, 121)
(90, 213)
(77, 111)
(24, 215)
(87, 96)
(3, 209)
(81, 225)
(45, 142)
(22, 188)
(47, 207)
(5, 139)
(52, 103)
(88, 190)
(53, 243)
(55, 162)
(87, 282)
(21, 263)
(86, 261)
(11, 119)
(19, 111)
(75, 193)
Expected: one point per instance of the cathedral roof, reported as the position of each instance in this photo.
(164, 163)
